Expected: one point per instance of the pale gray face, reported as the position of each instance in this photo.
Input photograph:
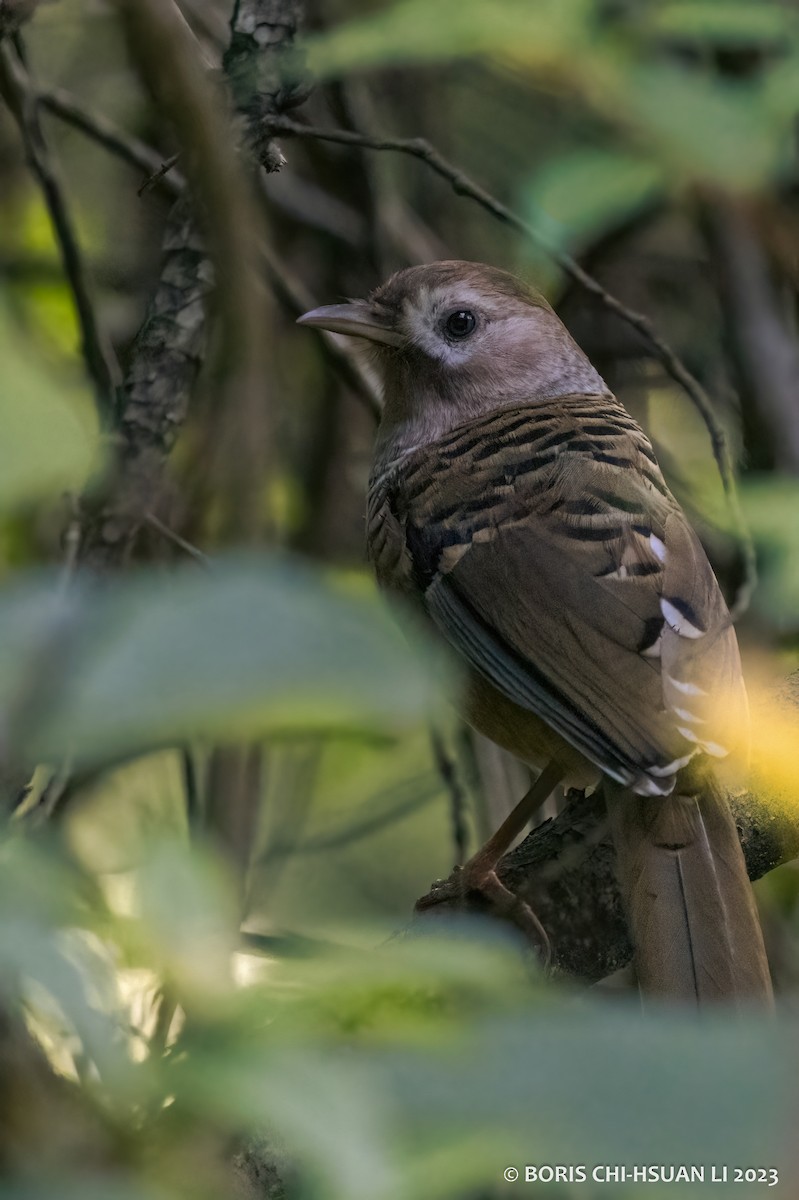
(456, 340)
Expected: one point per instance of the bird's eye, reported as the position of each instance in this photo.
(460, 324)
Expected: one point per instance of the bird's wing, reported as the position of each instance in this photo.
(546, 547)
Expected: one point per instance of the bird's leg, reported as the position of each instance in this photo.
(479, 874)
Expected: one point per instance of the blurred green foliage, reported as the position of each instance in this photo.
(162, 1044)
(612, 58)
(48, 441)
(419, 1069)
(242, 650)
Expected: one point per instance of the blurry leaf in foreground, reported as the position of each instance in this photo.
(725, 22)
(186, 921)
(408, 989)
(80, 1186)
(249, 649)
(44, 447)
(417, 31)
(591, 1083)
(49, 950)
(458, 1061)
(416, 1071)
(35, 620)
(698, 130)
(583, 193)
(606, 1085)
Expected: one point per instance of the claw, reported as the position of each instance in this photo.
(507, 904)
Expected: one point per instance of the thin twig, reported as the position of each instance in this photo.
(20, 94)
(191, 788)
(448, 770)
(158, 175)
(463, 185)
(170, 536)
(288, 288)
(71, 550)
(291, 291)
(303, 772)
(167, 1009)
(62, 104)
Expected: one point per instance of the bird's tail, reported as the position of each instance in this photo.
(690, 905)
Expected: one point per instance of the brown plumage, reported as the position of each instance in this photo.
(522, 510)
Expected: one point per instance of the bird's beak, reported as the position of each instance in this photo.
(357, 318)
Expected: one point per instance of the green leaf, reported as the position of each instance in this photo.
(48, 949)
(45, 447)
(584, 192)
(417, 31)
(722, 22)
(606, 1085)
(249, 649)
(592, 1084)
(700, 130)
(186, 922)
(35, 620)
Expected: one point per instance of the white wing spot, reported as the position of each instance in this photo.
(678, 622)
(644, 786)
(451, 557)
(685, 715)
(658, 547)
(715, 749)
(688, 689)
(653, 651)
(672, 767)
(712, 748)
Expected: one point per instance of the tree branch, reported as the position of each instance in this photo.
(447, 767)
(462, 185)
(170, 346)
(289, 289)
(129, 149)
(565, 871)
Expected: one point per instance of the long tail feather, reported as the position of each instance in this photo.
(692, 913)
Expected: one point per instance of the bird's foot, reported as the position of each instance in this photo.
(507, 904)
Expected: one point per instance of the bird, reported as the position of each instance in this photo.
(520, 510)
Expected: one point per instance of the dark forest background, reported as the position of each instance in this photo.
(225, 775)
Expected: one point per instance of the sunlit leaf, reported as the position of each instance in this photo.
(49, 950)
(775, 736)
(186, 922)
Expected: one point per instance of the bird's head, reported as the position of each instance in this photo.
(455, 340)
